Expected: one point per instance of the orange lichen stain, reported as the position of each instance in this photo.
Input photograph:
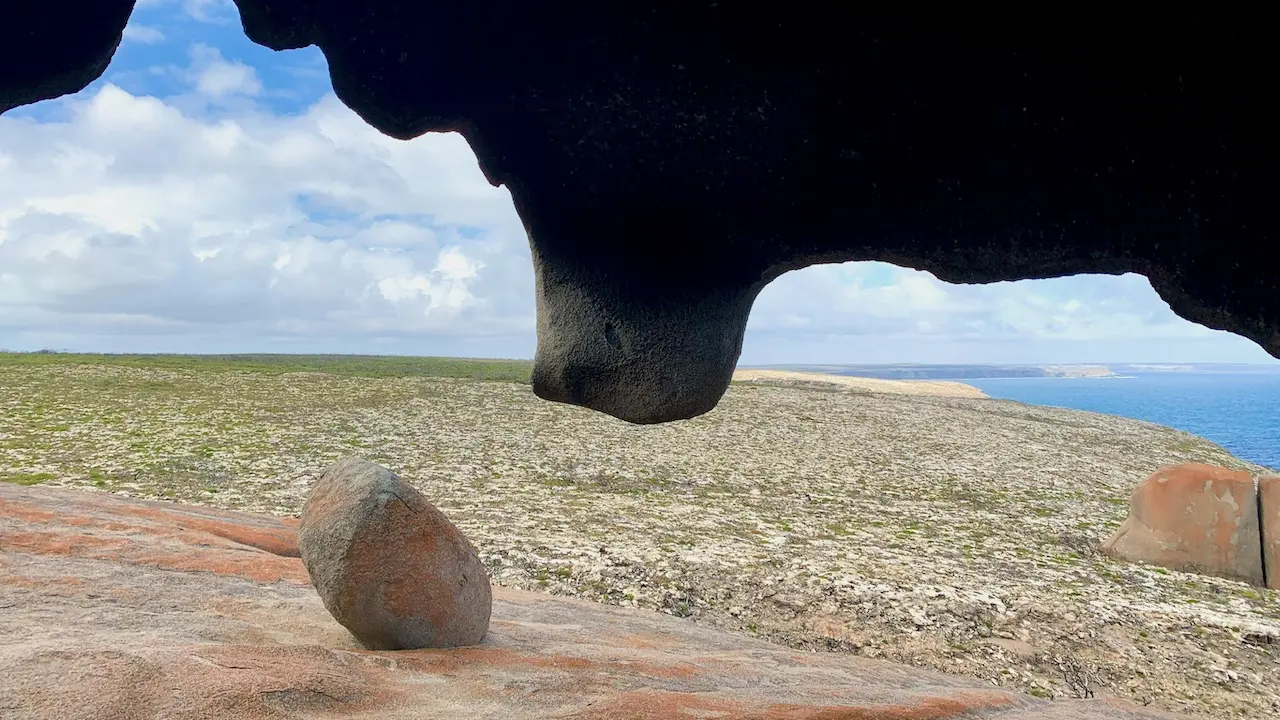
(460, 660)
(281, 541)
(1194, 516)
(455, 661)
(188, 557)
(658, 705)
(25, 512)
(681, 671)
(937, 708)
(648, 641)
(250, 530)
(260, 568)
(26, 582)
(63, 543)
(1269, 504)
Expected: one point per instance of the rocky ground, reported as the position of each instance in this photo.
(123, 609)
(956, 534)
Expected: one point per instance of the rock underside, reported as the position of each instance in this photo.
(119, 608)
(670, 159)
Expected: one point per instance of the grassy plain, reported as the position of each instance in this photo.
(370, 366)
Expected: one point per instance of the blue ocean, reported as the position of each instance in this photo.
(1240, 412)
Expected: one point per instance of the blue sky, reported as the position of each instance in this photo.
(211, 195)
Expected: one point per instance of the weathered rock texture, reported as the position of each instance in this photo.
(1196, 518)
(116, 608)
(1269, 517)
(669, 158)
(390, 566)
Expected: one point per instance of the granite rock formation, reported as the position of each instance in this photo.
(116, 608)
(1269, 518)
(1198, 518)
(669, 159)
(388, 565)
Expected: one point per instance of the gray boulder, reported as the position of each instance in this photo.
(389, 566)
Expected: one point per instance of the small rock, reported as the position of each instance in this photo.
(1258, 637)
(388, 565)
(918, 616)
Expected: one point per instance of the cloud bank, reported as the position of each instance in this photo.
(132, 216)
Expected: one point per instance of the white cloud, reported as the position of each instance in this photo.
(207, 11)
(210, 11)
(144, 34)
(876, 312)
(877, 298)
(133, 217)
(217, 79)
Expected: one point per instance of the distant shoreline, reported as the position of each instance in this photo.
(1063, 377)
(956, 372)
(1011, 371)
(936, 388)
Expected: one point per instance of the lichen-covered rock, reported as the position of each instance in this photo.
(1195, 518)
(388, 565)
(1269, 516)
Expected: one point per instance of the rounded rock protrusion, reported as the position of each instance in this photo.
(389, 566)
(1194, 518)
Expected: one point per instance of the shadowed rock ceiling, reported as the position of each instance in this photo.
(669, 159)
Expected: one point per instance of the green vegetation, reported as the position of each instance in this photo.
(27, 478)
(516, 371)
(1187, 445)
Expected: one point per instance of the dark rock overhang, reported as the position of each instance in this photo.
(669, 159)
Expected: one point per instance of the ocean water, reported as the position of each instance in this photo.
(1239, 412)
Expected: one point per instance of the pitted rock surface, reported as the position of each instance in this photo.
(1194, 518)
(390, 566)
(669, 159)
(115, 608)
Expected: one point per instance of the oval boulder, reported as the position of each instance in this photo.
(389, 566)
